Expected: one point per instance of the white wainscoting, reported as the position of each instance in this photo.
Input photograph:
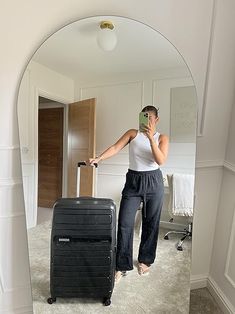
(11, 198)
(15, 284)
(221, 280)
(11, 194)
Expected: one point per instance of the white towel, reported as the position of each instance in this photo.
(182, 194)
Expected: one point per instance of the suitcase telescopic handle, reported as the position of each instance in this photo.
(83, 163)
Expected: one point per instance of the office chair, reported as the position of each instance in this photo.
(186, 232)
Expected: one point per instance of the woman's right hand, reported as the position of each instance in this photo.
(93, 161)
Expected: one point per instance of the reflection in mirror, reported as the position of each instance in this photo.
(75, 100)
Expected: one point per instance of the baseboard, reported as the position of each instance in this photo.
(205, 281)
(198, 281)
(224, 304)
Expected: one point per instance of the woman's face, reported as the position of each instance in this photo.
(152, 118)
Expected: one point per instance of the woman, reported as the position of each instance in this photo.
(148, 150)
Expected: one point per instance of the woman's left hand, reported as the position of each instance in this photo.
(149, 130)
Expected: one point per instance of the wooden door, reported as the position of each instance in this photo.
(50, 155)
(81, 145)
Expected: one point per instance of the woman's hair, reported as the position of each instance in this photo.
(151, 108)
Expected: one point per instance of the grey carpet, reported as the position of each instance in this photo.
(201, 302)
(165, 290)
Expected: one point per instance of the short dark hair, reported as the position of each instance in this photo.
(151, 108)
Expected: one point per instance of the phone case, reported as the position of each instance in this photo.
(143, 120)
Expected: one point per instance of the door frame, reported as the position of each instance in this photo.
(64, 102)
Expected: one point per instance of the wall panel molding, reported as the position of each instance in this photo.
(15, 215)
(229, 166)
(6, 182)
(105, 84)
(231, 251)
(202, 110)
(209, 164)
(9, 147)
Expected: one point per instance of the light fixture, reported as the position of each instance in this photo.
(106, 37)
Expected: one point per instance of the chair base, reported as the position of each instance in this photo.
(187, 233)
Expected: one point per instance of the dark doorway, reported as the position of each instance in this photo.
(50, 155)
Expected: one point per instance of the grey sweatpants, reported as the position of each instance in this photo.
(146, 187)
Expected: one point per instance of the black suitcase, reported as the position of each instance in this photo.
(83, 248)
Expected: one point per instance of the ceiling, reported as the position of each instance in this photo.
(73, 50)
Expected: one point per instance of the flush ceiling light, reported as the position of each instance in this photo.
(106, 37)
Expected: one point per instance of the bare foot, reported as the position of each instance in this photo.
(143, 269)
(118, 275)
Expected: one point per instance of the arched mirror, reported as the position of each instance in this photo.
(77, 98)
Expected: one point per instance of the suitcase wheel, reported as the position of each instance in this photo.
(51, 300)
(107, 301)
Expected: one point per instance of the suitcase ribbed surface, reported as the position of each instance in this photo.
(83, 248)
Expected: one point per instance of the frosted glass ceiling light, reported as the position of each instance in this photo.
(106, 37)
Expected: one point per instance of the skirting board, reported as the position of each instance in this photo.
(198, 281)
(203, 281)
(219, 296)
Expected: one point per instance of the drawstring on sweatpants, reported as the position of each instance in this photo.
(144, 197)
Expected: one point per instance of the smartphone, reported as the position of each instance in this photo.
(143, 120)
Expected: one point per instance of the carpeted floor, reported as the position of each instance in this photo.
(202, 302)
(165, 290)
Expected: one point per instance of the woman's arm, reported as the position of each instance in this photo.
(115, 148)
(159, 150)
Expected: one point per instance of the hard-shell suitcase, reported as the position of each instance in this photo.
(83, 248)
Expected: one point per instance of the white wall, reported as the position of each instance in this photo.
(119, 101)
(222, 271)
(221, 158)
(37, 81)
(187, 24)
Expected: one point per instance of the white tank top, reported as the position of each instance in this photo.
(140, 153)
